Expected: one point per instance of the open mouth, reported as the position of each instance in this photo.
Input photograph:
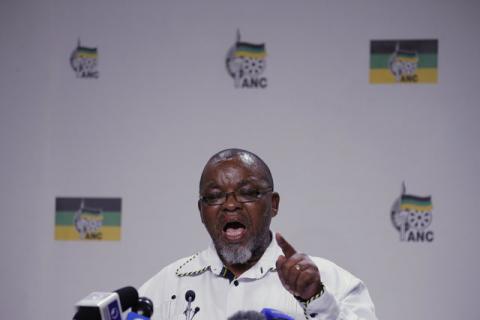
(234, 231)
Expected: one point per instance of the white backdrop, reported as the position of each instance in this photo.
(338, 147)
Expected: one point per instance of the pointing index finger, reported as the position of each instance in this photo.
(287, 248)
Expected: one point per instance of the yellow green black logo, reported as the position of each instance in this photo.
(412, 216)
(246, 63)
(88, 218)
(403, 61)
(84, 61)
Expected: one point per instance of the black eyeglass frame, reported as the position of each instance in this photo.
(225, 195)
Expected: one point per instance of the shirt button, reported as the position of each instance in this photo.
(313, 315)
(235, 283)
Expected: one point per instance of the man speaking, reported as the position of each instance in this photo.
(248, 268)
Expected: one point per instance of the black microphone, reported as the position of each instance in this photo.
(128, 297)
(189, 312)
(190, 295)
(106, 305)
(143, 310)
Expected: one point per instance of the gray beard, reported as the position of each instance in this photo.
(240, 254)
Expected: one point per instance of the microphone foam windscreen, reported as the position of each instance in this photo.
(144, 307)
(128, 297)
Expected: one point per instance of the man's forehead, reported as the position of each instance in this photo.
(239, 163)
(227, 169)
(213, 183)
(236, 160)
(246, 158)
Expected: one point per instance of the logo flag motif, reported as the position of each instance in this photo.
(412, 215)
(246, 63)
(403, 61)
(88, 219)
(84, 61)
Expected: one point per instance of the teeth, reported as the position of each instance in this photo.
(234, 232)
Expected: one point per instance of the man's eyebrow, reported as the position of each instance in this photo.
(243, 182)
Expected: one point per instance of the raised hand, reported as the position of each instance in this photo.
(297, 272)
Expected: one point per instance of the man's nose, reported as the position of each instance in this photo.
(231, 202)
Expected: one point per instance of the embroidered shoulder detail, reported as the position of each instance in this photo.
(190, 273)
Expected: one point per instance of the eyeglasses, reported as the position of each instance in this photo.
(241, 195)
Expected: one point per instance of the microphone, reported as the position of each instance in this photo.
(143, 310)
(106, 305)
(247, 315)
(265, 314)
(272, 314)
(189, 312)
(190, 295)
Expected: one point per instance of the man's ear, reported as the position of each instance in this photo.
(199, 204)
(275, 203)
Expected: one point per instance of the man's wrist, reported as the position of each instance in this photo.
(315, 296)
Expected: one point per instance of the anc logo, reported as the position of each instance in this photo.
(246, 63)
(404, 61)
(412, 215)
(84, 61)
(403, 65)
(88, 219)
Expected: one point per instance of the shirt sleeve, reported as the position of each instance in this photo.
(357, 305)
(344, 298)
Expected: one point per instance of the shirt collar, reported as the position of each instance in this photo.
(209, 260)
(266, 263)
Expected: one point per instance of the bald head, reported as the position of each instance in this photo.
(246, 157)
